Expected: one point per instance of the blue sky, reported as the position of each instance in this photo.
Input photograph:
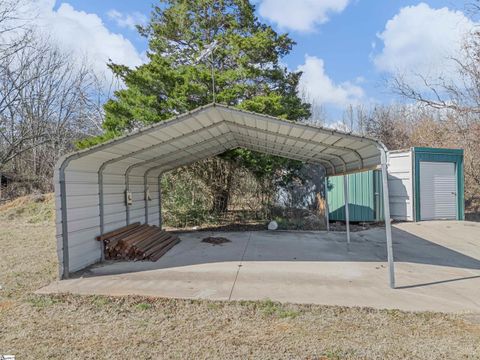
(346, 48)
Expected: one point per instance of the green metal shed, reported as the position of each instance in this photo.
(364, 197)
(424, 184)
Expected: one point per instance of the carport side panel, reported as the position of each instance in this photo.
(151, 206)
(76, 194)
(439, 155)
(58, 222)
(113, 200)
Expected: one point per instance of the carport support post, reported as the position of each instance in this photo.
(63, 207)
(347, 215)
(145, 190)
(101, 211)
(160, 201)
(386, 212)
(327, 210)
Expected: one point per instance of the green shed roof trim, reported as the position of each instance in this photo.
(438, 150)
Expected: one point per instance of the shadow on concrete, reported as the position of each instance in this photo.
(414, 249)
(264, 246)
(222, 228)
(438, 282)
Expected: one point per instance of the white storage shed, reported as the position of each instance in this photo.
(426, 184)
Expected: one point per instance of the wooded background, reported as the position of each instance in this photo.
(52, 103)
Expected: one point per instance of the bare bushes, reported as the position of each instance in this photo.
(198, 195)
(189, 197)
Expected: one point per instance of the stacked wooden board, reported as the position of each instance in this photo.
(137, 242)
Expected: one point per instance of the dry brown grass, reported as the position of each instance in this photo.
(30, 209)
(96, 327)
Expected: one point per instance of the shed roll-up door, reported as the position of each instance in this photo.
(438, 190)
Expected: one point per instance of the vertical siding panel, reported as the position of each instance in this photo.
(361, 197)
(400, 185)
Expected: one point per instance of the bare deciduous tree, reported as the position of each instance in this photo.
(48, 98)
(458, 101)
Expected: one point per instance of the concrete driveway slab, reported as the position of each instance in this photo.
(437, 269)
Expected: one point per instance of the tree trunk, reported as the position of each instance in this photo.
(220, 204)
(222, 193)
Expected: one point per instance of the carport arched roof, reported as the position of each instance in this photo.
(215, 128)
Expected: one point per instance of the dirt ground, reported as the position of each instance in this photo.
(95, 327)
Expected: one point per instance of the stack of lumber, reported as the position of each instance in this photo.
(137, 242)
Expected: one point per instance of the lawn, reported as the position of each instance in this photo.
(95, 327)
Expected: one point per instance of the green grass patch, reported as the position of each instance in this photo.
(100, 301)
(271, 308)
(214, 306)
(41, 301)
(333, 355)
(143, 306)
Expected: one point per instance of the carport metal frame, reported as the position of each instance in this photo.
(251, 144)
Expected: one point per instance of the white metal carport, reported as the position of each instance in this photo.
(90, 185)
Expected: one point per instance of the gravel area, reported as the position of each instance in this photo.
(96, 327)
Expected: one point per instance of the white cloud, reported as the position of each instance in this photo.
(422, 40)
(300, 15)
(319, 87)
(84, 35)
(338, 125)
(127, 20)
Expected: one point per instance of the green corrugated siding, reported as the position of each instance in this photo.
(378, 189)
(365, 188)
(362, 195)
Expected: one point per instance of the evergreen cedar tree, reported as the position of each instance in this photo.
(248, 73)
